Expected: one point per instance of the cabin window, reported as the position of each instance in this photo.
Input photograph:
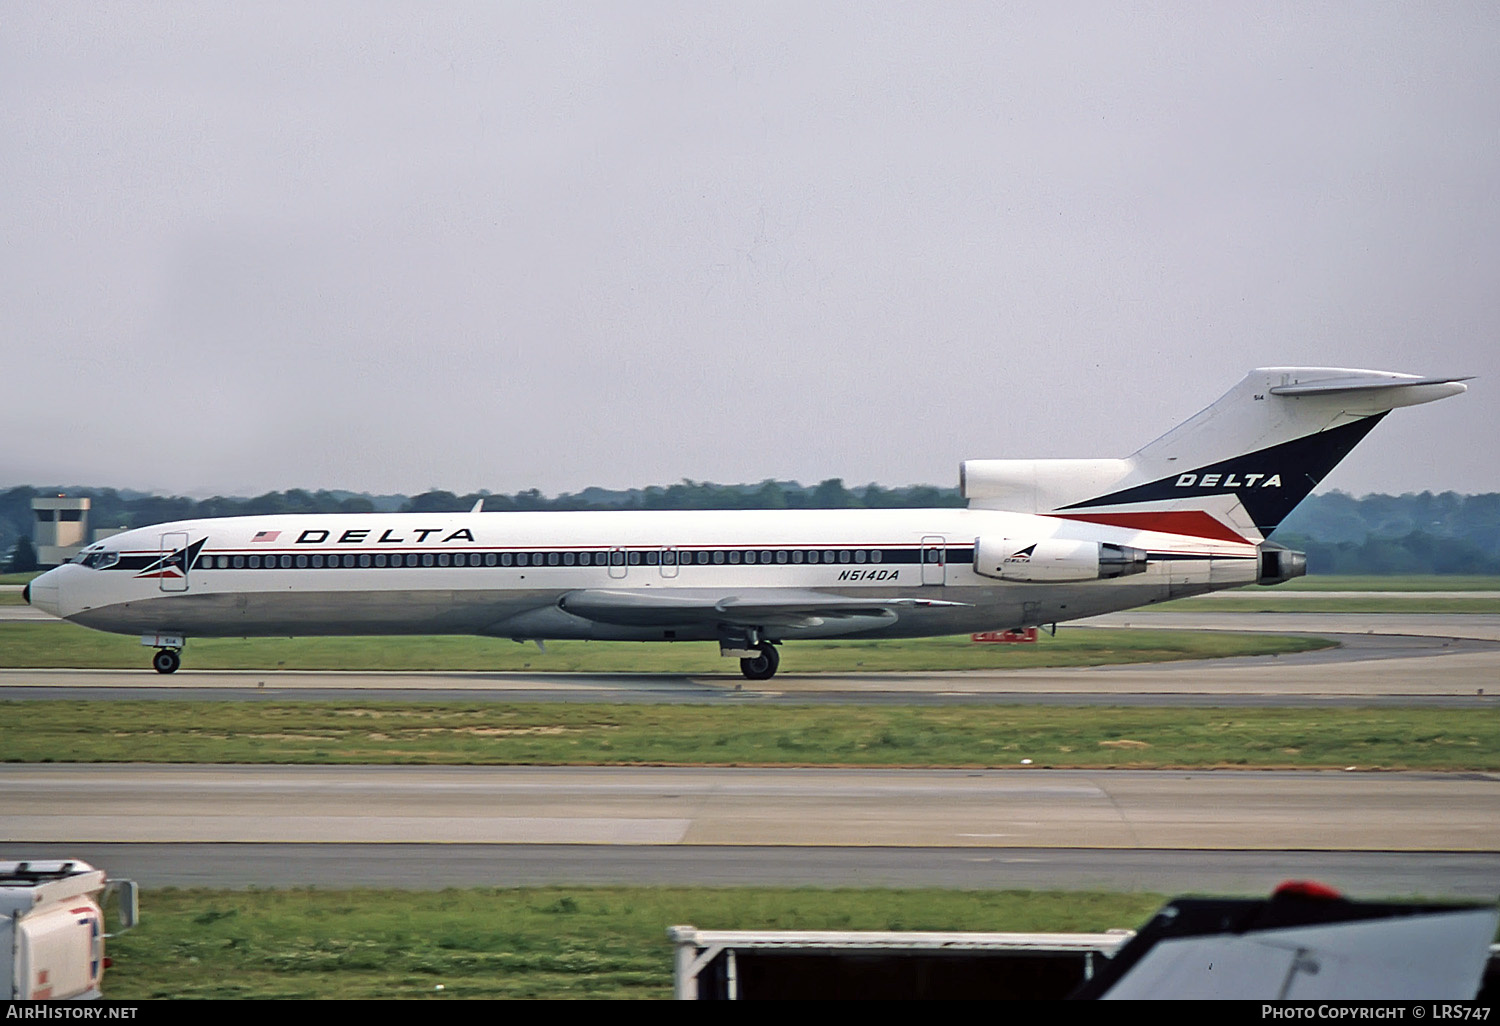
(703, 557)
(718, 555)
(301, 562)
(653, 558)
(859, 555)
(668, 557)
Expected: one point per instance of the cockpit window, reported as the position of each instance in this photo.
(98, 559)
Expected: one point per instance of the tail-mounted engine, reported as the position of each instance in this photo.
(1055, 559)
(1279, 563)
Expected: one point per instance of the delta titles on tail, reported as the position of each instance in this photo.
(1041, 541)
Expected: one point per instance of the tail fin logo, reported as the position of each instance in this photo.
(1230, 480)
(1265, 495)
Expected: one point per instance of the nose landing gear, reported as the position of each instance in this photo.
(168, 650)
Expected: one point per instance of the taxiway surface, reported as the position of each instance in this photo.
(1436, 660)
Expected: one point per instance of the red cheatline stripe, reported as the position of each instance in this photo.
(1193, 522)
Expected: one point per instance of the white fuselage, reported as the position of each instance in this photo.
(510, 574)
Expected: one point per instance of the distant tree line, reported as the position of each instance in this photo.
(1445, 533)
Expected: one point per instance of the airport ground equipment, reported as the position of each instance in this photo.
(1306, 942)
(52, 929)
(737, 965)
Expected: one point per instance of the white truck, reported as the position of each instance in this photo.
(52, 928)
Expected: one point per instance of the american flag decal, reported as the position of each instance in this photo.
(266, 536)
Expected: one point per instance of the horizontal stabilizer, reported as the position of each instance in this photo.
(1363, 384)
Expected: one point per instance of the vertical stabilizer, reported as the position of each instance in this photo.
(1233, 471)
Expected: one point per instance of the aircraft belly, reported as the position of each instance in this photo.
(296, 614)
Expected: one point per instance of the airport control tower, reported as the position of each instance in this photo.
(61, 528)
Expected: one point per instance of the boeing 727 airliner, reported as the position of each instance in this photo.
(1041, 541)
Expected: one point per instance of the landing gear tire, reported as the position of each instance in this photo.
(763, 666)
(166, 660)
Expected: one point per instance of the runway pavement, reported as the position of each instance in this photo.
(1457, 875)
(1207, 810)
(1219, 831)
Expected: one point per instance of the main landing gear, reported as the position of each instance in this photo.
(166, 660)
(762, 665)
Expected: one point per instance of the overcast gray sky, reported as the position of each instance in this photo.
(387, 247)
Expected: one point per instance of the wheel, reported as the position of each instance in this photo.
(166, 660)
(763, 666)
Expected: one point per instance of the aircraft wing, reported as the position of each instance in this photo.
(757, 608)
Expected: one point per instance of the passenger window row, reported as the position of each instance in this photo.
(592, 557)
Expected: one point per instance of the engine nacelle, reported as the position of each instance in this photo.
(1279, 563)
(1055, 559)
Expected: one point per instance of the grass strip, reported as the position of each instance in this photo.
(1311, 602)
(1393, 582)
(735, 734)
(542, 942)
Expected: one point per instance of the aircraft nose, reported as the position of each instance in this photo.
(42, 592)
(26, 593)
